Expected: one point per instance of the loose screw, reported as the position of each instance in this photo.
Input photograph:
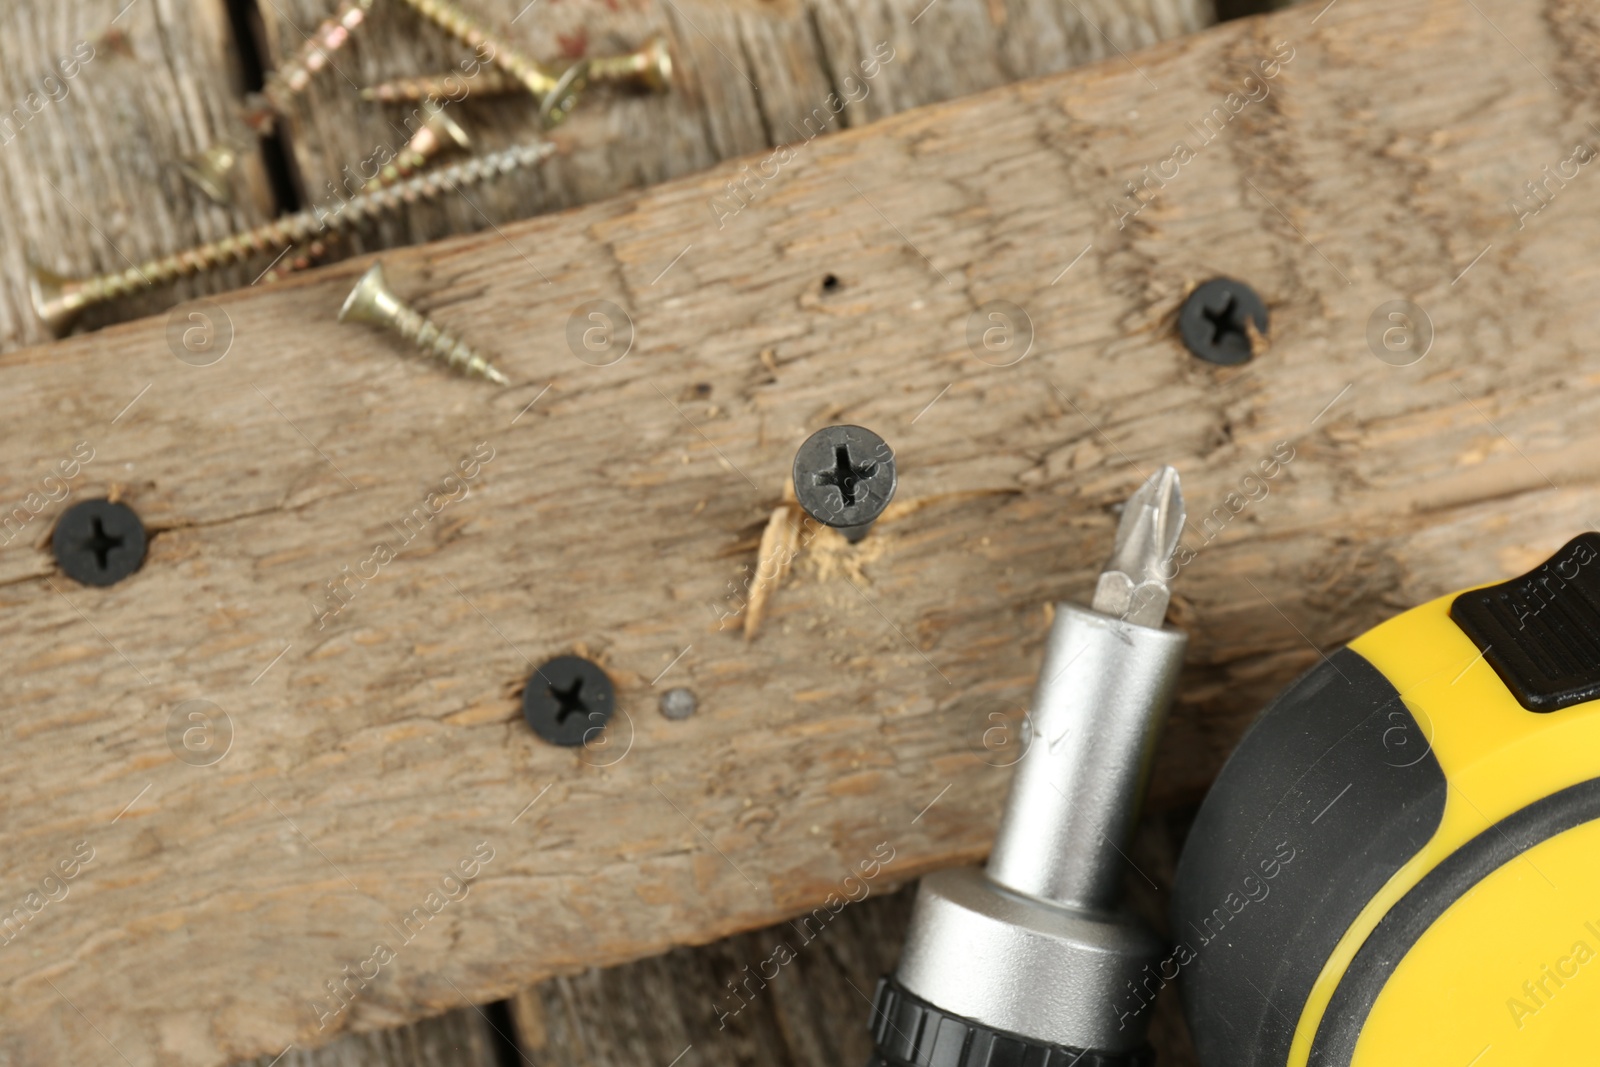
(844, 477)
(649, 67)
(1220, 321)
(58, 299)
(295, 73)
(438, 132)
(374, 303)
(557, 88)
(211, 171)
(535, 76)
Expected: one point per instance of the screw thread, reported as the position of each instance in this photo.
(291, 77)
(299, 228)
(423, 332)
(462, 26)
(441, 87)
(418, 152)
(642, 64)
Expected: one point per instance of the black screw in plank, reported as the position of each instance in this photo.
(844, 477)
(99, 542)
(1215, 321)
(568, 700)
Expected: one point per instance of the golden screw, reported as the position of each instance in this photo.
(437, 132)
(537, 78)
(300, 257)
(58, 299)
(211, 171)
(374, 303)
(649, 67)
(294, 74)
(453, 87)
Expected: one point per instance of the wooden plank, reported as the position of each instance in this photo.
(371, 756)
(88, 163)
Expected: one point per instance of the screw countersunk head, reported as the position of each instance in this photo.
(1217, 320)
(647, 67)
(211, 171)
(98, 542)
(55, 301)
(568, 700)
(655, 64)
(844, 476)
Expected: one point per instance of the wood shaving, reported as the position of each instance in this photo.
(831, 556)
(780, 543)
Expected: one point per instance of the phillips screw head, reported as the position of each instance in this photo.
(844, 477)
(98, 542)
(1217, 320)
(568, 701)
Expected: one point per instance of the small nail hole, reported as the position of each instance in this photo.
(830, 283)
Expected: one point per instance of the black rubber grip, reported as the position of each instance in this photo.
(910, 1032)
(1331, 791)
(1541, 632)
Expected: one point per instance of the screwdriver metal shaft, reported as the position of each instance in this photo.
(1033, 950)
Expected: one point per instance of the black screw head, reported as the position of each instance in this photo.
(568, 701)
(844, 476)
(1215, 321)
(98, 542)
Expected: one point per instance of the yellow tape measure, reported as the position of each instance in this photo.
(1400, 865)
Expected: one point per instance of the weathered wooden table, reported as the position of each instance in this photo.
(624, 507)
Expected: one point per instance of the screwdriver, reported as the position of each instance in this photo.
(1027, 962)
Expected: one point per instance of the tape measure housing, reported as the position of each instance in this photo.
(1427, 800)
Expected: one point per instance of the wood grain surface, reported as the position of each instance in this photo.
(375, 752)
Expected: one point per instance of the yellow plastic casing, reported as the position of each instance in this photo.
(1510, 972)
